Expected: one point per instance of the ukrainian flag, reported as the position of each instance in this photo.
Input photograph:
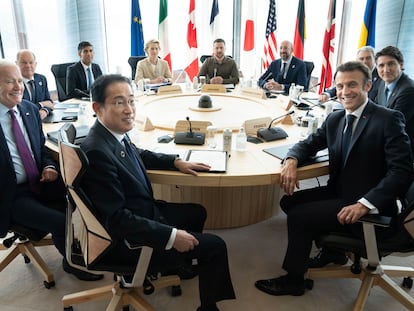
(367, 36)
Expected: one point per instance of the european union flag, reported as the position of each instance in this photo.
(137, 35)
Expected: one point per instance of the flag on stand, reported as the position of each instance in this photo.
(192, 68)
(270, 47)
(367, 36)
(249, 30)
(300, 31)
(163, 32)
(215, 20)
(137, 34)
(328, 49)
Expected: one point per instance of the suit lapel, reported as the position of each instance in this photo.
(31, 130)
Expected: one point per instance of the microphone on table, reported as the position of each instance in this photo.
(273, 133)
(315, 85)
(189, 137)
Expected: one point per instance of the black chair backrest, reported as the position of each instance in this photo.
(309, 68)
(132, 61)
(406, 216)
(67, 133)
(59, 72)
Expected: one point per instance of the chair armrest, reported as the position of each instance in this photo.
(376, 220)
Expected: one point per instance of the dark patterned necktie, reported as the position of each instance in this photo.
(346, 137)
(282, 71)
(32, 91)
(132, 155)
(29, 163)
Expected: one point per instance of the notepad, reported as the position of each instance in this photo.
(217, 159)
(280, 152)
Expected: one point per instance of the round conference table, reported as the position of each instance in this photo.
(249, 191)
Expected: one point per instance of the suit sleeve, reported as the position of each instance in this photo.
(266, 76)
(106, 188)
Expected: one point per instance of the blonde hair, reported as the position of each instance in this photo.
(152, 41)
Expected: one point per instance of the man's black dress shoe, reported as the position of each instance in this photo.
(81, 275)
(325, 257)
(281, 286)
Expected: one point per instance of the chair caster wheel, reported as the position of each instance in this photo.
(49, 285)
(26, 259)
(148, 288)
(407, 282)
(309, 284)
(176, 290)
(68, 308)
(356, 269)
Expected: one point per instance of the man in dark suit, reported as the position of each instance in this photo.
(31, 191)
(117, 185)
(400, 88)
(365, 54)
(284, 71)
(369, 167)
(35, 85)
(80, 76)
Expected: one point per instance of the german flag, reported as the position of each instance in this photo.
(367, 36)
(300, 34)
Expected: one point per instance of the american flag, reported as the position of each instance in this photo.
(328, 49)
(270, 47)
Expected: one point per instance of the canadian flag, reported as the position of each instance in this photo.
(192, 68)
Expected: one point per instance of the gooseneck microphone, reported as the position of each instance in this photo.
(273, 133)
(82, 93)
(189, 137)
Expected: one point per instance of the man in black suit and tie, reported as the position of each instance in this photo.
(396, 91)
(365, 54)
(370, 165)
(284, 71)
(35, 85)
(80, 76)
(117, 185)
(31, 191)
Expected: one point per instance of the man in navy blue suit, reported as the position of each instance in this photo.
(284, 71)
(35, 85)
(80, 76)
(31, 192)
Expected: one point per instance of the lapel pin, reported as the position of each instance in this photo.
(27, 113)
(122, 154)
(40, 83)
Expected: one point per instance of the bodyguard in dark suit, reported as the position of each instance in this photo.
(396, 91)
(284, 71)
(35, 85)
(29, 185)
(370, 165)
(80, 76)
(117, 184)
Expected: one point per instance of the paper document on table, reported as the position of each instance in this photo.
(217, 159)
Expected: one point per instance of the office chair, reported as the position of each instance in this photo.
(309, 68)
(133, 61)
(23, 241)
(95, 242)
(59, 72)
(371, 271)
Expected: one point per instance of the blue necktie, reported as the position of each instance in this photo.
(387, 95)
(29, 163)
(132, 155)
(88, 71)
(346, 137)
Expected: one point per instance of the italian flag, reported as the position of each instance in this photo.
(163, 32)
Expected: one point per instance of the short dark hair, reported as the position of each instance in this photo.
(355, 66)
(391, 51)
(101, 84)
(219, 40)
(83, 45)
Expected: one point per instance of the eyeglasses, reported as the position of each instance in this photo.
(122, 104)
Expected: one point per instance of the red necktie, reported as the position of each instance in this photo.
(25, 154)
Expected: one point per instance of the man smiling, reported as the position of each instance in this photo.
(370, 165)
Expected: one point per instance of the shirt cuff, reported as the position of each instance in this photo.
(171, 240)
(372, 208)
